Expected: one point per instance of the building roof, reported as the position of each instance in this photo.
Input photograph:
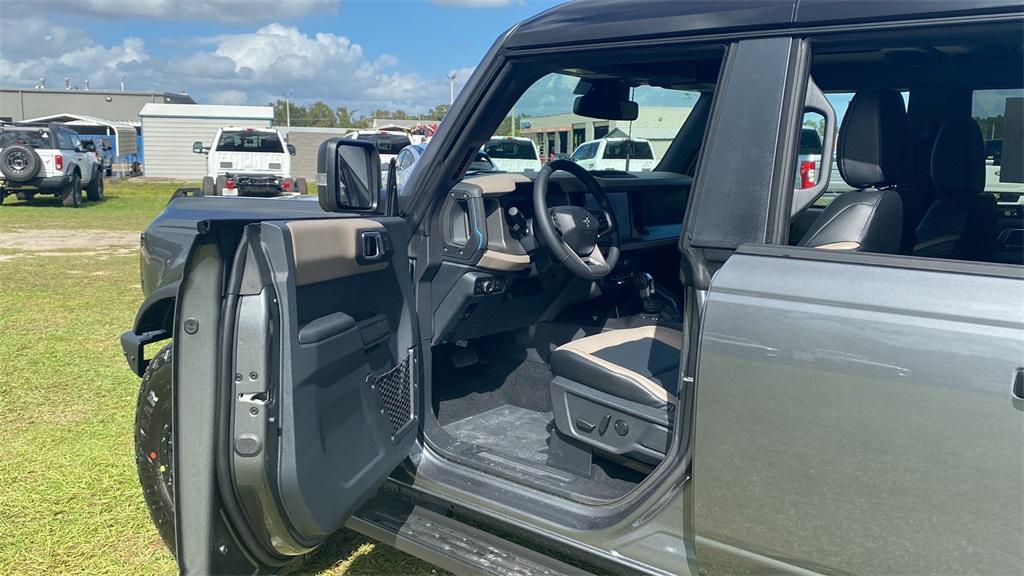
(155, 110)
(172, 97)
(82, 120)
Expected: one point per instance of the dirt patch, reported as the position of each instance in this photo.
(52, 242)
(48, 240)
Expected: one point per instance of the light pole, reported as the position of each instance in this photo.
(288, 106)
(451, 81)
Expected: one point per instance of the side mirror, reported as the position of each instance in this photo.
(198, 148)
(291, 149)
(348, 175)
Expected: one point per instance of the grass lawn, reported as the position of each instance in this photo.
(69, 498)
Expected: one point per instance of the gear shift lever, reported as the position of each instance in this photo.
(645, 284)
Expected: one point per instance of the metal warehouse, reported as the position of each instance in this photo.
(168, 131)
(23, 103)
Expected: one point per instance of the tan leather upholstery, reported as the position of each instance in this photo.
(328, 249)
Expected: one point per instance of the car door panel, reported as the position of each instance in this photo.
(839, 402)
(320, 406)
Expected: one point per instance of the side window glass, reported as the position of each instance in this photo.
(1000, 115)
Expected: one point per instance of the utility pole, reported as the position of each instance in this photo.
(288, 106)
(451, 81)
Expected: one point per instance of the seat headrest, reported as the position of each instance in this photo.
(958, 158)
(874, 140)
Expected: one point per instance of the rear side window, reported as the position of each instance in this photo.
(386, 143)
(510, 150)
(620, 150)
(33, 138)
(246, 141)
(585, 152)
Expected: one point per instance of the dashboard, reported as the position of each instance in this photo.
(495, 274)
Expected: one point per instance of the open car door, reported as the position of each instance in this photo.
(294, 381)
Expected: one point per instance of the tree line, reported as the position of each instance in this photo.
(320, 114)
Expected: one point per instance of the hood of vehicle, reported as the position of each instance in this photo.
(250, 163)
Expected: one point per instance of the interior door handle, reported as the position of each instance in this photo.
(374, 246)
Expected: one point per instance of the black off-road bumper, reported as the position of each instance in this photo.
(260, 185)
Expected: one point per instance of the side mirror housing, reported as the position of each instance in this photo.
(348, 175)
(198, 148)
(291, 149)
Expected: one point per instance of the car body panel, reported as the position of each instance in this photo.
(871, 430)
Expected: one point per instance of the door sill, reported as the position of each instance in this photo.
(448, 543)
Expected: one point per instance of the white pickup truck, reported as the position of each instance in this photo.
(249, 162)
(47, 159)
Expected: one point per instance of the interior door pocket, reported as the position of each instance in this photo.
(325, 327)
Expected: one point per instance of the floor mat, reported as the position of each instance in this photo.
(508, 430)
(459, 393)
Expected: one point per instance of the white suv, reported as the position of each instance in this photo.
(512, 154)
(622, 154)
(249, 162)
(47, 159)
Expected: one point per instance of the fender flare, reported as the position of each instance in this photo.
(153, 322)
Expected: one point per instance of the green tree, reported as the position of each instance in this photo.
(320, 114)
(436, 113)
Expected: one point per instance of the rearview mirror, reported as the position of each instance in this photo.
(605, 100)
(291, 149)
(347, 175)
(198, 148)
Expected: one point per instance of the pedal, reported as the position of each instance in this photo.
(464, 354)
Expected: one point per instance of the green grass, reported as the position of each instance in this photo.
(69, 497)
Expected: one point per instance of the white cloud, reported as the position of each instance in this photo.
(231, 11)
(476, 3)
(245, 68)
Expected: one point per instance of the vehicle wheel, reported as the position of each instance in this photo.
(72, 196)
(208, 186)
(154, 445)
(94, 191)
(25, 196)
(218, 189)
(300, 186)
(108, 172)
(19, 163)
(2, 196)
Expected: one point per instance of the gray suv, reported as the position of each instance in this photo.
(711, 367)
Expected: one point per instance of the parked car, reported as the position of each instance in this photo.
(410, 155)
(808, 160)
(249, 162)
(573, 371)
(622, 154)
(103, 152)
(47, 159)
(388, 143)
(513, 154)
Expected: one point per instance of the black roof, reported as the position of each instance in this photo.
(584, 21)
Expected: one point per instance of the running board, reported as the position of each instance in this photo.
(450, 544)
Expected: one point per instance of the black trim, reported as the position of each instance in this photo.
(1011, 271)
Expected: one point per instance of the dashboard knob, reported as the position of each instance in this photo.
(487, 286)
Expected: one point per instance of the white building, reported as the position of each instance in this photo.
(168, 131)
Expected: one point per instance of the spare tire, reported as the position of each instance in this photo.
(20, 163)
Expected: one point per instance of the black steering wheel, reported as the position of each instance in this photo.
(571, 232)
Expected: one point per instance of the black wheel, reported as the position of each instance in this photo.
(94, 191)
(154, 445)
(300, 186)
(25, 196)
(207, 187)
(19, 163)
(72, 196)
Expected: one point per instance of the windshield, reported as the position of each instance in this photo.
(249, 141)
(510, 150)
(621, 149)
(544, 115)
(33, 138)
(386, 143)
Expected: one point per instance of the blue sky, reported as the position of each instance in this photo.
(359, 53)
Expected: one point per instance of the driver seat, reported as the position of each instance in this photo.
(616, 391)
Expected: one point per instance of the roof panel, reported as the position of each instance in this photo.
(605, 20)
